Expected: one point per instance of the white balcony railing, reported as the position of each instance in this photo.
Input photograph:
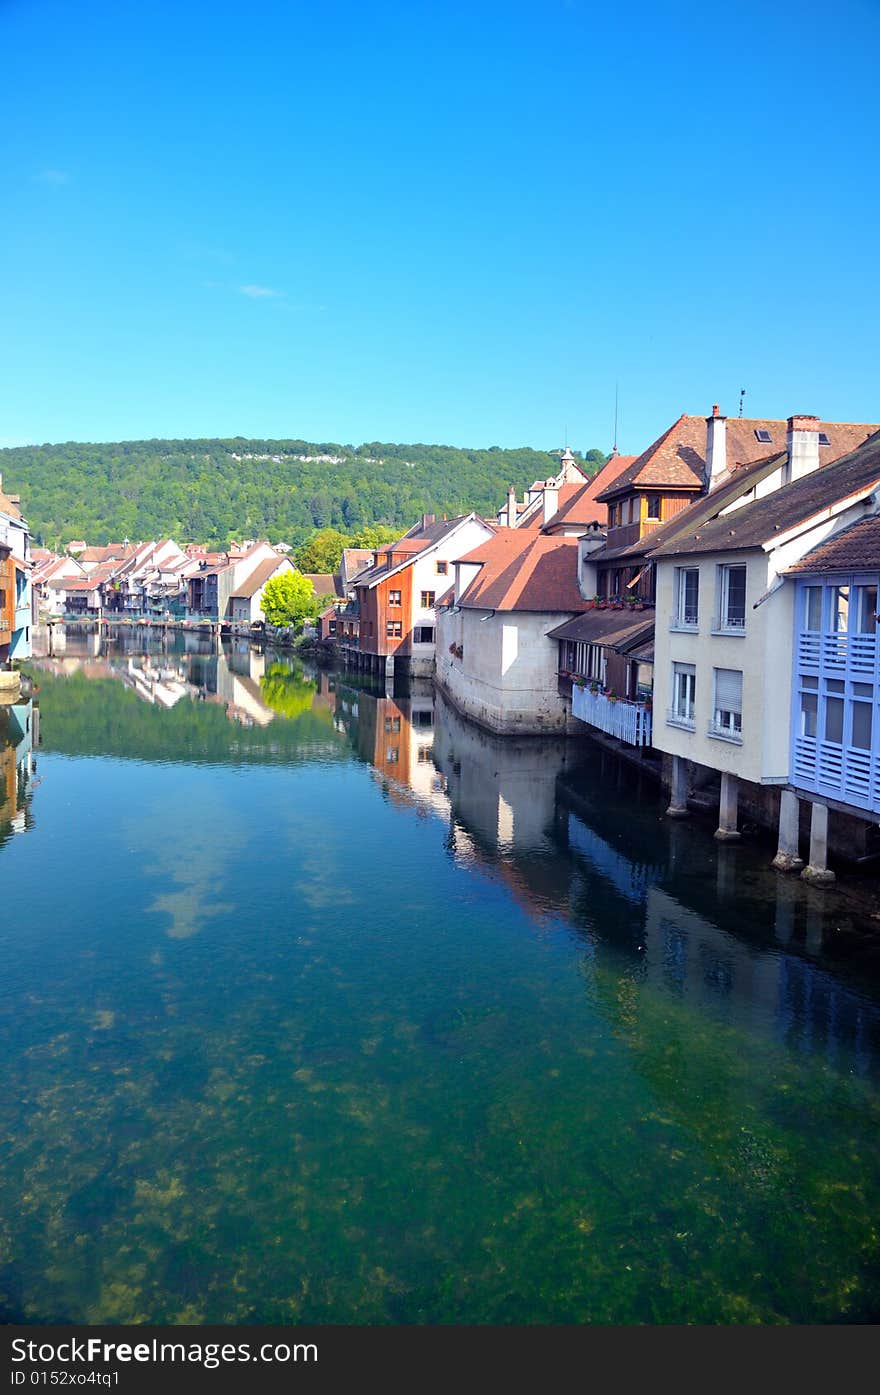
(628, 721)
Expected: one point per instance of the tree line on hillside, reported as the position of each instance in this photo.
(220, 490)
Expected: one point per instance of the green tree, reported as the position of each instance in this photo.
(323, 551)
(375, 535)
(288, 599)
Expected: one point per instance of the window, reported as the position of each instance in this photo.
(762, 435)
(684, 692)
(394, 629)
(732, 598)
(392, 724)
(823, 439)
(428, 598)
(862, 723)
(392, 755)
(866, 609)
(727, 713)
(424, 755)
(332, 627)
(840, 609)
(809, 714)
(442, 568)
(394, 598)
(424, 634)
(687, 595)
(813, 608)
(654, 506)
(632, 510)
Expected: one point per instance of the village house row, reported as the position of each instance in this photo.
(709, 605)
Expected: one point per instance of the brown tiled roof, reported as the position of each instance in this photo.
(760, 521)
(579, 503)
(258, 577)
(701, 510)
(613, 628)
(324, 584)
(522, 570)
(8, 506)
(677, 459)
(853, 549)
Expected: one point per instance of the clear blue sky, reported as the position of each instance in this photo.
(435, 221)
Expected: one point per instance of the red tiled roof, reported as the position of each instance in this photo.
(758, 522)
(854, 549)
(522, 570)
(677, 459)
(579, 504)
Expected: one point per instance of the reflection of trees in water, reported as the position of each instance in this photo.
(287, 690)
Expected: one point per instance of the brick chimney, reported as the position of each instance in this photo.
(802, 444)
(511, 507)
(551, 501)
(716, 448)
(427, 520)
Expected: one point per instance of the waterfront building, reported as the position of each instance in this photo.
(699, 469)
(396, 600)
(18, 728)
(218, 589)
(496, 659)
(15, 587)
(834, 754)
(724, 647)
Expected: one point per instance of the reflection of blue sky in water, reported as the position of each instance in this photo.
(279, 1047)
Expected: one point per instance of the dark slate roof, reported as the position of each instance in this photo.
(701, 510)
(758, 522)
(853, 549)
(616, 629)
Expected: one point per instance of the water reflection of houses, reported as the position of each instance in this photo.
(19, 729)
(395, 734)
(705, 923)
(162, 670)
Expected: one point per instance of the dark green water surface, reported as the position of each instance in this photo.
(321, 1006)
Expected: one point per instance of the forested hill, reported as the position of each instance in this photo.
(215, 490)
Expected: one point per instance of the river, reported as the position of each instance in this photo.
(320, 1005)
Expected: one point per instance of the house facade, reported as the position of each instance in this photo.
(15, 584)
(725, 652)
(397, 599)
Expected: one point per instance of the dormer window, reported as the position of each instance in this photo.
(763, 437)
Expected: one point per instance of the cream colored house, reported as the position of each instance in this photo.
(725, 623)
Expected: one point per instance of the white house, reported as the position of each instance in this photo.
(725, 623)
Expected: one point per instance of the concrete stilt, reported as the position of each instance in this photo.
(727, 831)
(816, 871)
(788, 858)
(678, 808)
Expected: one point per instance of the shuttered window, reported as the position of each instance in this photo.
(728, 700)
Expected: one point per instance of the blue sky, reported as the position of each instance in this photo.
(434, 221)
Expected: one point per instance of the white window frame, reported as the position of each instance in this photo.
(726, 723)
(682, 713)
(679, 620)
(723, 623)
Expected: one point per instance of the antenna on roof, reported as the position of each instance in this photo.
(742, 393)
(614, 447)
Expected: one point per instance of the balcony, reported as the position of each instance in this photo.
(628, 721)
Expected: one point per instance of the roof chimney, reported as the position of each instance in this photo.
(551, 501)
(427, 520)
(802, 444)
(716, 448)
(511, 507)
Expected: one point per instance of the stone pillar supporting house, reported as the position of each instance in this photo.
(788, 858)
(679, 789)
(727, 830)
(817, 871)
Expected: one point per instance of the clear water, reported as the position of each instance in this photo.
(321, 1006)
